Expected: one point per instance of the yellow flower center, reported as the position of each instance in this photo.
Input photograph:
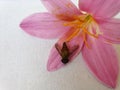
(83, 25)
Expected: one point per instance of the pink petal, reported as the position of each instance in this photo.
(61, 7)
(54, 61)
(103, 8)
(111, 30)
(101, 59)
(43, 25)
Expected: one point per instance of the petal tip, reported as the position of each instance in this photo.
(113, 85)
(53, 66)
(50, 68)
(110, 83)
(21, 25)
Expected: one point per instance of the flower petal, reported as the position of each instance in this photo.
(54, 61)
(102, 61)
(111, 30)
(43, 25)
(61, 7)
(103, 8)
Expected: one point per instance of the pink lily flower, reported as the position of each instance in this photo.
(91, 29)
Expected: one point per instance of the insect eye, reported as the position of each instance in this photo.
(65, 61)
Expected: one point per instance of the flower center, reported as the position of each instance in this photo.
(83, 25)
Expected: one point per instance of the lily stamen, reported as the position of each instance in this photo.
(83, 25)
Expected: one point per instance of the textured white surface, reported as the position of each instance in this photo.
(23, 58)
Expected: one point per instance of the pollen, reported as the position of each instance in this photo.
(83, 25)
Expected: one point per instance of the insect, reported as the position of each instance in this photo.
(65, 52)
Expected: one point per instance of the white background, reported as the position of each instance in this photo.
(23, 58)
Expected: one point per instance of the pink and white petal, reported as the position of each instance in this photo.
(102, 8)
(43, 25)
(61, 8)
(111, 30)
(54, 61)
(102, 61)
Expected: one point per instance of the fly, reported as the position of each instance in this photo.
(64, 52)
